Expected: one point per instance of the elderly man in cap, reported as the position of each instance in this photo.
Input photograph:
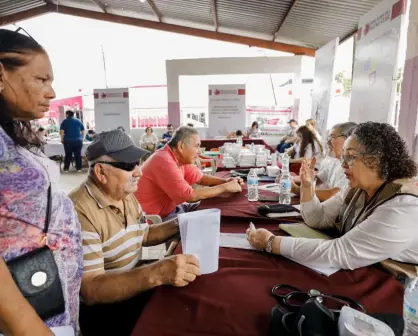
(113, 232)
(290, 138)
(166, 186)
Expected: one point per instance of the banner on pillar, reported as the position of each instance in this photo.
(111, 109)
(226, 109)
(376, 62)
(323, 83)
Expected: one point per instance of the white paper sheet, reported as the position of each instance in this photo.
(199, 232)
(235, 240)
(239, 241)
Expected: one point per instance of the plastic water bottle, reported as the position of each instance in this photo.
(285, 188)
(410, 309)
(252, 147)
(285, 162)
(252, 183)
(239, 141)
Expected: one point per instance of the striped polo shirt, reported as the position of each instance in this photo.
(112, 237)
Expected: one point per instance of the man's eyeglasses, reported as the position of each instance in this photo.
(19, 29)
(350, 158)
(294, 298)
(120, 165)
(335, 137)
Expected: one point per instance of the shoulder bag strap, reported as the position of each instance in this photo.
(48, 211)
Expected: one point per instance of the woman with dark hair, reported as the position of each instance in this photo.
(72, 134)
(28, 183)
(149, 140)
(307, 146)
(254, 131)
(376, 215)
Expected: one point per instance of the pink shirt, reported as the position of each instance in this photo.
(165, 183)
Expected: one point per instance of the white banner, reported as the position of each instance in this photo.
(323, 84)
(111, 109)
(376, 62)
(226, 109)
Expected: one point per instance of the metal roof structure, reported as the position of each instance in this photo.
(295, 26)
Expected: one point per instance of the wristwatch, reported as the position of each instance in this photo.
(269, 247)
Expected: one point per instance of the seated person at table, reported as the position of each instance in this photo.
(168, 176)
(376, 214)
(167, 135)
(90, 135)
(331, 173)
(254, 131)
(235, 135)
(311, 124)
(149, 141)
(307, 146)
(112, 287)
(290, 138)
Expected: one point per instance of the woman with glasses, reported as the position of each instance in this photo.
(375, 215)
(28, 188)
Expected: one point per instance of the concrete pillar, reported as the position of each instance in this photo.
(408, 114)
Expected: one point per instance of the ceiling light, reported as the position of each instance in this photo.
(142, 1)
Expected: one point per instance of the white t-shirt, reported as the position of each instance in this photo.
(149, 139)
(331, 173)
(389, 232)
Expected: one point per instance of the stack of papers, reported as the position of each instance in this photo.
(246, 159)
(239, 240)
(228, 162)
(261, 160)
(199, 231)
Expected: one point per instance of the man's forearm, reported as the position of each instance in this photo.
(210, 181)
(17, 317)
(159, 233)
(109, 288)
(204, 193)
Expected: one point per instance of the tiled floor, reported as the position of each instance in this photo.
(72, 180)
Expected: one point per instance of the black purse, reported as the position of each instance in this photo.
(36, 275)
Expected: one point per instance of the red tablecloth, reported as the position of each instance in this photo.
(214, 143)
(236, 300)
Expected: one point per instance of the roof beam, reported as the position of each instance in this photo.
(253, 42)
(37, 11)
(349, 35)
(100, 5)
(154, 9)
(281, 24)
(214, 14)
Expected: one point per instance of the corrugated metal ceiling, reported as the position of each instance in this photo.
(310, 23)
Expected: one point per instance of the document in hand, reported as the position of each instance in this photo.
(199, 231)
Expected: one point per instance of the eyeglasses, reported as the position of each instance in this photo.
(350, 158)
(335, 137)
(293, 298)
(23, 30)
(120, 165)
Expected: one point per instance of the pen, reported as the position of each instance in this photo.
(252, 226)
(272, 186)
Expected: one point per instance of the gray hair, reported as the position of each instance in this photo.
(345, 128)
(183, 133)
(100, 158)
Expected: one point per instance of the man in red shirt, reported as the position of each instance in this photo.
(165, 187)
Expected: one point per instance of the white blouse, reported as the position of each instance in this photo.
(389, 232)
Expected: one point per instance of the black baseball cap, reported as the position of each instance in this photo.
(116, 144)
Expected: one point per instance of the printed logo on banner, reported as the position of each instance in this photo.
(397, 9)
